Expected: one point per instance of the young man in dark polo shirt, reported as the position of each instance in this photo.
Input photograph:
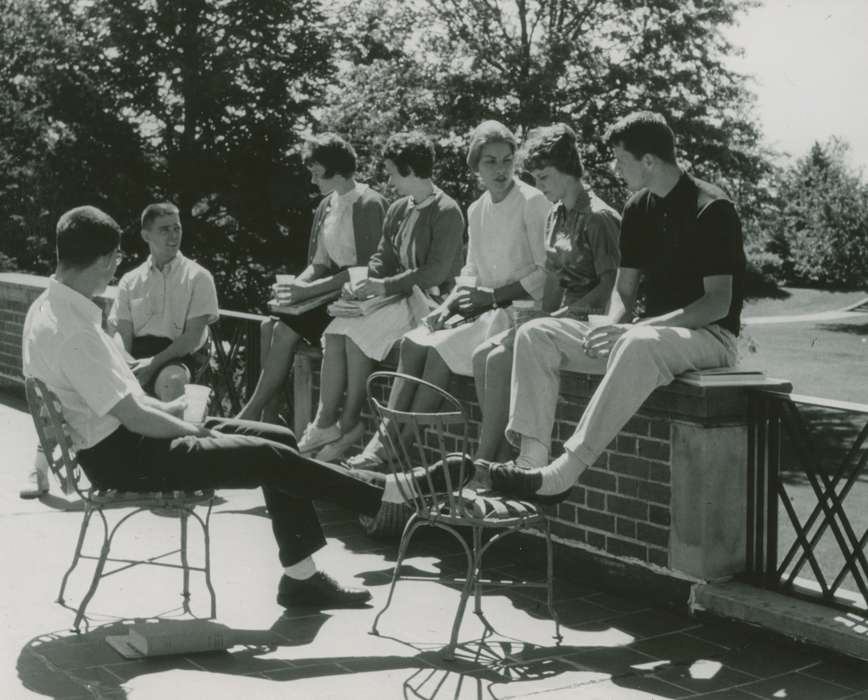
(684, 237)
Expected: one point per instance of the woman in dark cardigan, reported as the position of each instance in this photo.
(419, 254)
(346, 231)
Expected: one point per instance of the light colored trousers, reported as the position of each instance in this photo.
(642, 359)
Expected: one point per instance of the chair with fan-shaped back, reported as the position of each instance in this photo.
(440, 498)
(47, 414)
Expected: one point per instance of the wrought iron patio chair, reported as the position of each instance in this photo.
(45, 409)
(417, 439)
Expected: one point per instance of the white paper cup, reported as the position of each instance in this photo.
(358, 273)
(284, 279)
(465, 281)
(197, 402)
(597, 320)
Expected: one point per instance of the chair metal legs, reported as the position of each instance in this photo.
(77, 554)
(412, 524)
(105, 548)
(473, 580)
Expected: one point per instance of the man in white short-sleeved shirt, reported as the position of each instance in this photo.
(164, 306)
(127, 440)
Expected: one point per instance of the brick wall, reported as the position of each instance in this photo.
(17, 293)
(669, 491)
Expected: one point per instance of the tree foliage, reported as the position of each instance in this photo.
(533, 62)
(821, 233)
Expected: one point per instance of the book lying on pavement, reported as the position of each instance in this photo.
(723, 376)
(360, 307)
(300, 307)
(170, 637)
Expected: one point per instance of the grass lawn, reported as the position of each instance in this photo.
(827, 359)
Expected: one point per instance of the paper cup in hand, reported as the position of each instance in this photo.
(597, 320)
(197, 402)
(357, 274)
(465, 281)
(284, 279)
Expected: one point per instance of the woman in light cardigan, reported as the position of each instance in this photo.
(346, 230)
(418, 256)
(505, 261)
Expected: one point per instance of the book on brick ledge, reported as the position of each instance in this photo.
(723, 376)
(168, 637)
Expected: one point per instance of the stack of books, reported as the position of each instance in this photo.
(299, 307)
(359, 307)
(170, 637)
(723, 376)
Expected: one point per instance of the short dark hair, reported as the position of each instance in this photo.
(153, 211)
(488, 132)
(643, 132)
(333, 153)
(410, 151)
(553, 146)
(85, 234)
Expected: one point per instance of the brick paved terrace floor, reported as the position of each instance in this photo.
(613, 647)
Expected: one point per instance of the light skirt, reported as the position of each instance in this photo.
(456, 345)
(376, 333)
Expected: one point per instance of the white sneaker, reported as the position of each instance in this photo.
(313, 438)
(337, 449)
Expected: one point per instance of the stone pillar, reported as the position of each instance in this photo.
(709, 500)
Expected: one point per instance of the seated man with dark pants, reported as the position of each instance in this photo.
(130, 441)
(163, 307)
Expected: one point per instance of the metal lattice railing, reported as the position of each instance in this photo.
(235, 346)
(807, 490)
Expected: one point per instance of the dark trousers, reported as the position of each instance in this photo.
(150, 345)
(247, 455)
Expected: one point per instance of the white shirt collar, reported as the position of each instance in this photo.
(169, 266)
(77, 301)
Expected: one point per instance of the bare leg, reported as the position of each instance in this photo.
(276, 360)
(411, 360)
(494, 368)
(333, 379)
(359, 367)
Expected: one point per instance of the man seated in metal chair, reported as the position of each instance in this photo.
(133, 442)
(163, 308)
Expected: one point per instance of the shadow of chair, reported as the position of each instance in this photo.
(46, 411)
(440, 499)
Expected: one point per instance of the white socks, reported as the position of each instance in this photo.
(533, 455)
(302, 570)
(561, 474)
(558, 476)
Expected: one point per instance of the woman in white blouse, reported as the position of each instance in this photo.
(505, 260)
(346, 230)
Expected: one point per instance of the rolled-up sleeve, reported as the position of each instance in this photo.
(536, 216)
(203, 300)
(95, 372)
(121, 310)
(604, 232)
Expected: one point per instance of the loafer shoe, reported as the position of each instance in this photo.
(314, 438)
(321, 591)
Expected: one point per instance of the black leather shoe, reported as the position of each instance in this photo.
(321, 591)
(511, 480)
